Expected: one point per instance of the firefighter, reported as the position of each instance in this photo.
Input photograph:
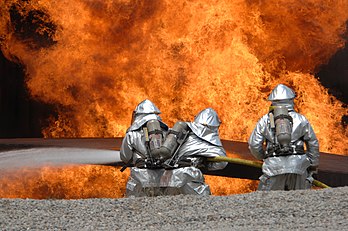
(287, 144)
(188, 145)
(140, 147)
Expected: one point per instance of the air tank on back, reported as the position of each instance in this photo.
(176, 136)
(283, 125)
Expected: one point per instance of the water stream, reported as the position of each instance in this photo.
(42, 156)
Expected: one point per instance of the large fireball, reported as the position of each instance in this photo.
(95, 60)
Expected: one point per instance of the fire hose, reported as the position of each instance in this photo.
(255, 164)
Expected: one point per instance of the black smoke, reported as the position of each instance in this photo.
(334, 75)
(20, 116)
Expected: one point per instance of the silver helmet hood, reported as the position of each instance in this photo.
(146, 107)
(208, 117)
(145, 111)
(206, 126)
(281, 92)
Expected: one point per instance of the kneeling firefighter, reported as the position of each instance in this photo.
(186, 148)
(140, 148)
(287, 165)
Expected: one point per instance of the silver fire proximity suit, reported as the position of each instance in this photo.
(178, 174)
(289, 158)
(144, 175)
(202, 142)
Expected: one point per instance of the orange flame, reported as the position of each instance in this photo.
(89, 181)
(69, 182)
(96, 60)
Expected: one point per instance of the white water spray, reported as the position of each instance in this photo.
(56, 156)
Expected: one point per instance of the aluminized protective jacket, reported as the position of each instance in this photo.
(194, 146)
(156, 182)
(204, 139)
(133, 145)
(302, 134)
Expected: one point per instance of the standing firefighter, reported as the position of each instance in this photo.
(287, 164)
(140, 149)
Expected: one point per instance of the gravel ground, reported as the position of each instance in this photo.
(325, 209)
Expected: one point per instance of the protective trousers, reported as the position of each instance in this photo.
(158, 182)
(288, 181)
